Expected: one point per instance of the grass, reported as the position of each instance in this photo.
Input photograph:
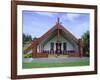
(54, 64)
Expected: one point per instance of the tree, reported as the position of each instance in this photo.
(86, 42)
(26, 38)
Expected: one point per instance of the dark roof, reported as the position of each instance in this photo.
(58, 26)
(36, 41)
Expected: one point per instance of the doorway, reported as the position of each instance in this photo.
(58, 48)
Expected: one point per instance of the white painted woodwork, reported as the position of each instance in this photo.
(71, 45)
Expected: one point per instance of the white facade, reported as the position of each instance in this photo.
(71, 45)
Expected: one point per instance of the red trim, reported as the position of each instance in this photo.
(58, 26)
(80, 47)
(35, 42)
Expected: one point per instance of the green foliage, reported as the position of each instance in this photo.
(26, 38)
(86, 41)
(27, 55)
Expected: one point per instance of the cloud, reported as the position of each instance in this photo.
(37, 23)
(70, 16)
(49, 14)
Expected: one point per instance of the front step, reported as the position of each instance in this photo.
(56, 56)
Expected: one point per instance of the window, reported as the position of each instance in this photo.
(52, 45)
(64, 46)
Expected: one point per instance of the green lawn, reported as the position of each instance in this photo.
(54, 64)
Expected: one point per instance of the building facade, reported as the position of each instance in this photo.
(57, 40)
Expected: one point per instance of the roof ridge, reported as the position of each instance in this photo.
(56, 26)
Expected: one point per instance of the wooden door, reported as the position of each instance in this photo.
(58, 48)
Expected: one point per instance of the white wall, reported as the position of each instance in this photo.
(54, 39)
(5, 43)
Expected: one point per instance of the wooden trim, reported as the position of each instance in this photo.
(58, 27)
(95, 39)
(13, 40)
(50, 4)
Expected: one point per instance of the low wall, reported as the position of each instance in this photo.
(45, 55)
(40, 55)
(73, 54)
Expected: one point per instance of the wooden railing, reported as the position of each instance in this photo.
(45, 54)
(39, 55)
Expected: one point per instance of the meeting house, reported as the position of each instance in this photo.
(56, 41)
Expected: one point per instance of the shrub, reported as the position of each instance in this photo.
(28, 55)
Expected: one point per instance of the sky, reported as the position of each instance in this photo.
(37, 23)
